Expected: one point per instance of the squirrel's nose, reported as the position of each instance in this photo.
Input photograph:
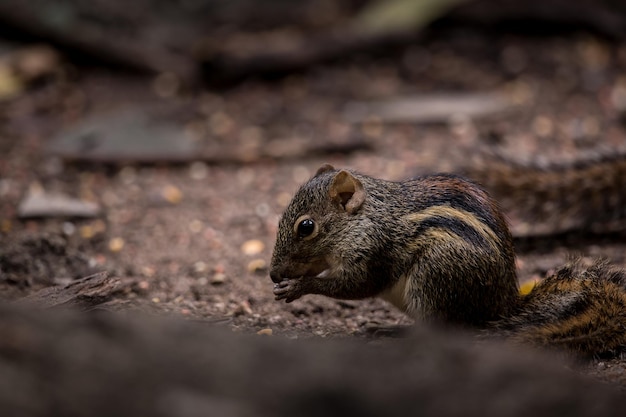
(275, 276)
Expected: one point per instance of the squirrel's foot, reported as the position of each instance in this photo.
(288, 289)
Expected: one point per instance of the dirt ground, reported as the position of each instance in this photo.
(195, 239)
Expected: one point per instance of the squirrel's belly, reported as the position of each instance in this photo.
(396, 295)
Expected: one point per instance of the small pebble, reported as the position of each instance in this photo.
(172, 194)
(69, 228)
(196, 226)
(87, 232)
(200, 267)
(265, 332)
(218, 278)
(252, 247)
(116, 244)
(257, 265)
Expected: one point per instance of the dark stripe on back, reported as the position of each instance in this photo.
(459, 193)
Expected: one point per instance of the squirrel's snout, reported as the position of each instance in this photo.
(275, 276)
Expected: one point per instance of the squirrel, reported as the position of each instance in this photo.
(439, 249)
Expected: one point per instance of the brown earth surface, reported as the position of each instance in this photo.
(195, 239)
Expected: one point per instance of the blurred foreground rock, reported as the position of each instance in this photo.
(96, 364)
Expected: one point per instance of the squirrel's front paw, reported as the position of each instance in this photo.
(288, 290)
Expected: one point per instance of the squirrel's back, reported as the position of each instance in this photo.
(464, 269)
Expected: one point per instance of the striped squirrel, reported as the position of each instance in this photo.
(438, 248)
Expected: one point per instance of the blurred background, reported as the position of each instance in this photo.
(159, 141)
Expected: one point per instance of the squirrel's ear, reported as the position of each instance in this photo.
(324, 168)
(347, 191)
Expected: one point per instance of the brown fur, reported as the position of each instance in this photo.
(580, 309)
(440, 238)
(439, 249)
(585, 195)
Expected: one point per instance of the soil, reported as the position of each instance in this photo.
(195, 239)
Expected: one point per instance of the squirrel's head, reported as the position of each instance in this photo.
(308, 229)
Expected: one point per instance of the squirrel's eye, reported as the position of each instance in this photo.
(305, 228)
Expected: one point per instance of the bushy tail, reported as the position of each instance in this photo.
(581, 309)
(582, 195)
